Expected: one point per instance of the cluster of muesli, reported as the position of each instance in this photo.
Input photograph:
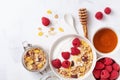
(34, 59)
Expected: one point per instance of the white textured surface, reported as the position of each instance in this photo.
(19, 20)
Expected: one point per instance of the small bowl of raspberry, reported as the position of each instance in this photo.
(106, 68)
(72, 57)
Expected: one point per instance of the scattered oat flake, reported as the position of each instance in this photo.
(51, 32)
(61, 29)
(49, 12)
(39, 28)
(40, 33)
(52, 29)
(56, 16)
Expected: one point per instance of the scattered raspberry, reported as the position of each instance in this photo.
(116, 67)
(105, 74)
(76, 42)
(56, 63)
(114, 75)
(96, 73)
(99, 65)
(66, 64)
(66, 55)
(45, 21)
(99, 15)
(108, 61)
(107, 10)
(108, 68)
(75, 51)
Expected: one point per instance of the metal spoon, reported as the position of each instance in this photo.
(70, 21)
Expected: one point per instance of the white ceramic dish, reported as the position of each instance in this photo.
(112, 59)
(61, 44)
(117, 46)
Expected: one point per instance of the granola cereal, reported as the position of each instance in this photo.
(80, 64)
(34, 59)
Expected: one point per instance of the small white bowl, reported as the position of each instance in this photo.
(114, 59)
(117, 46)
(68, 37)
(29, 48)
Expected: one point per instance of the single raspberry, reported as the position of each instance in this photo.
(116, 66)
(66, 55)
(99, 65)
(114, 75)
(56, 63)
(105, 74)
(108, 61)
(96, 73)
(75, 51)
(107, 10)
(66, 64)
(108, 68)
(45, 21)
(99, 15)
(76, 42)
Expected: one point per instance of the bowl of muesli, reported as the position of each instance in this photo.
(72, 57)
(35, 59)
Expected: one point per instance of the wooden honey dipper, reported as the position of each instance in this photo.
(83, 19)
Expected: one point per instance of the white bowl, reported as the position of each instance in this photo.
(56, 49)
(117, 46)
(114, 59)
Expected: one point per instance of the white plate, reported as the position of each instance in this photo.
(63, 44)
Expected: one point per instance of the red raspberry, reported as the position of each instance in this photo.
(99, 15)
(107, 10)
(108, 61)
(114, 75)
(76, 42)
(75, 51)
(105, 74)
(66, 55)
(99, 65)
(56, 63)
(96, 73)
(45, 21)
(66, 64)
(116, 67)
(108, 68)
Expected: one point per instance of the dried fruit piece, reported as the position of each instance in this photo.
(105, 74)
(76, 42)
(56, 63)
(96, 73)
(114, 75)
(74, 76)
(40, 33)
(49, 11)
(66, 55)
(56, 16)
(107, 10)
(61, 29)
(99, 65)
(99, 15)
(66, 64)
(75, 51)
(116, 66)
(45, 21)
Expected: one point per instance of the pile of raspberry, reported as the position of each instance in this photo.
(66, 55)
(106, 69)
